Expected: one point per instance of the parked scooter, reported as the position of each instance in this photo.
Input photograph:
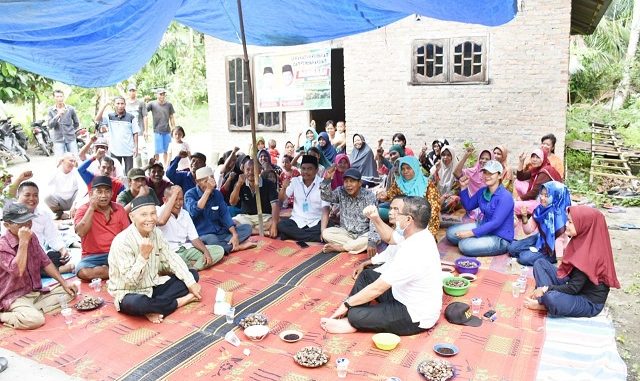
(9, 142)
(82, 137)
(42, 136)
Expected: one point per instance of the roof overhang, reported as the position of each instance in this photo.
(586, 14)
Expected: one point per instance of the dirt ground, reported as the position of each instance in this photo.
(624, 303)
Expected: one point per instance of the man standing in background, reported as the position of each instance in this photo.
(138, 109)
(123, 132)
(62, 119)
(163, 123)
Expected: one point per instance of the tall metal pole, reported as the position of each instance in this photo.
(252, 110)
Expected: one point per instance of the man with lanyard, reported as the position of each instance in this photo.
(245, 192)
(64, 122)
(163, 122)
(123, 133)
(310, 214)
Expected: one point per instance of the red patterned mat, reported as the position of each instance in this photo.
(294, 288)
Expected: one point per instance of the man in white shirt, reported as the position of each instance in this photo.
(310, 214)
(43, 226)
(409, 289)
(64, 186)
(178, 229)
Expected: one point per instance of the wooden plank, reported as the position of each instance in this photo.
(622, 169)
(626, 177)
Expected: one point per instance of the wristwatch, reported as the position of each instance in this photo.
(346, 303)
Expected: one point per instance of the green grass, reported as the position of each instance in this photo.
(194, 121)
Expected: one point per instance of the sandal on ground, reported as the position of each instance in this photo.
(4, 363)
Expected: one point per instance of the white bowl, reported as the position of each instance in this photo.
(256, 332)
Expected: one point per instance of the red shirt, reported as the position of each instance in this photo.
(102, 232)
(116, 187)
(12, 284)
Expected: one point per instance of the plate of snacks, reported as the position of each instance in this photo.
(311, 357)
(89, 303)
(436, 370)
(253, 319)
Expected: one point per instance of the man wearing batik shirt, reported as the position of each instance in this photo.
(355, 233)
(23, 301)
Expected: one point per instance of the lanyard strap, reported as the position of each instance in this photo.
(306, 194)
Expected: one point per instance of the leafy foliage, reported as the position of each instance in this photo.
(20, 85)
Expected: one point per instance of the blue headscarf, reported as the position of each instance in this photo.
(329, 151)
(416, 186)
(552, 218)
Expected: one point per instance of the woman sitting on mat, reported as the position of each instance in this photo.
(549, 218)
(412, 182)
(580, 285)
(443, 174)
(530, 181)
(493, 232)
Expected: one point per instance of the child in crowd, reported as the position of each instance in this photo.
(288, 172)
(177, 145)
(273, 151)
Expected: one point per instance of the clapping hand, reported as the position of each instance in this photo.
(146, 248)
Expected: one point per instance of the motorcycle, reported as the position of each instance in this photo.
(9, 144)
(42, 136)
(82, 137)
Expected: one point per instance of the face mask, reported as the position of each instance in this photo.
(400, 230)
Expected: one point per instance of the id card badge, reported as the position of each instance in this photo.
(305, 207)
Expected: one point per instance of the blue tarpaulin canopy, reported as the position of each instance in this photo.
(96, 43)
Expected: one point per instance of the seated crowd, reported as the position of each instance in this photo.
(151, 233)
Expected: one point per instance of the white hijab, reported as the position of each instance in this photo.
(445, 173)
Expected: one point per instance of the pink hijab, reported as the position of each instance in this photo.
(476, 181)
(338, 180)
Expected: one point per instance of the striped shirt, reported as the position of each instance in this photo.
(130, 273)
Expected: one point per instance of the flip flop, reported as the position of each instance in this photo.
(4, 363)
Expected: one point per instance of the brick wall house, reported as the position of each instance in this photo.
(515, 93)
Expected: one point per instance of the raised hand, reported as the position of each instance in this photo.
(328, 173)
(146, 248)
(24, 234)
(464, 182)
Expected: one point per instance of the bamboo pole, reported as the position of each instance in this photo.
(254, 152)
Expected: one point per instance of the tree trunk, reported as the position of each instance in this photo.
(622, 92)
(33, 108)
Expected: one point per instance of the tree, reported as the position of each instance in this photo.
(622, 92)
(17, 85)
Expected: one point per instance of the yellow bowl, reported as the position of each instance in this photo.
(386, 341)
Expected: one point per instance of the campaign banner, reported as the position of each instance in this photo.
(293, 81)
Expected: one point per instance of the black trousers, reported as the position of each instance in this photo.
(55, 258)
(127, 161)
(389, 315)
(289, 230)
(162, 301)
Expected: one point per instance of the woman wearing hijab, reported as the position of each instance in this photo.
(362, 157)
(428, 160)
(580, 285)
(264, 158)
(311, 139)
(411, 182)
(445, 179)
(539, 173)
(474, 174)
(328, 150)
(549, 218)
(342, 164)
(501, 154)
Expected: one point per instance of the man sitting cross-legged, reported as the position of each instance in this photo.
(137, 188)
(211, 215)
(134, 260)
(22, 299)
(310, 214)
(181, 234)
(355, 233)
(409, 289)
(97, 223)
